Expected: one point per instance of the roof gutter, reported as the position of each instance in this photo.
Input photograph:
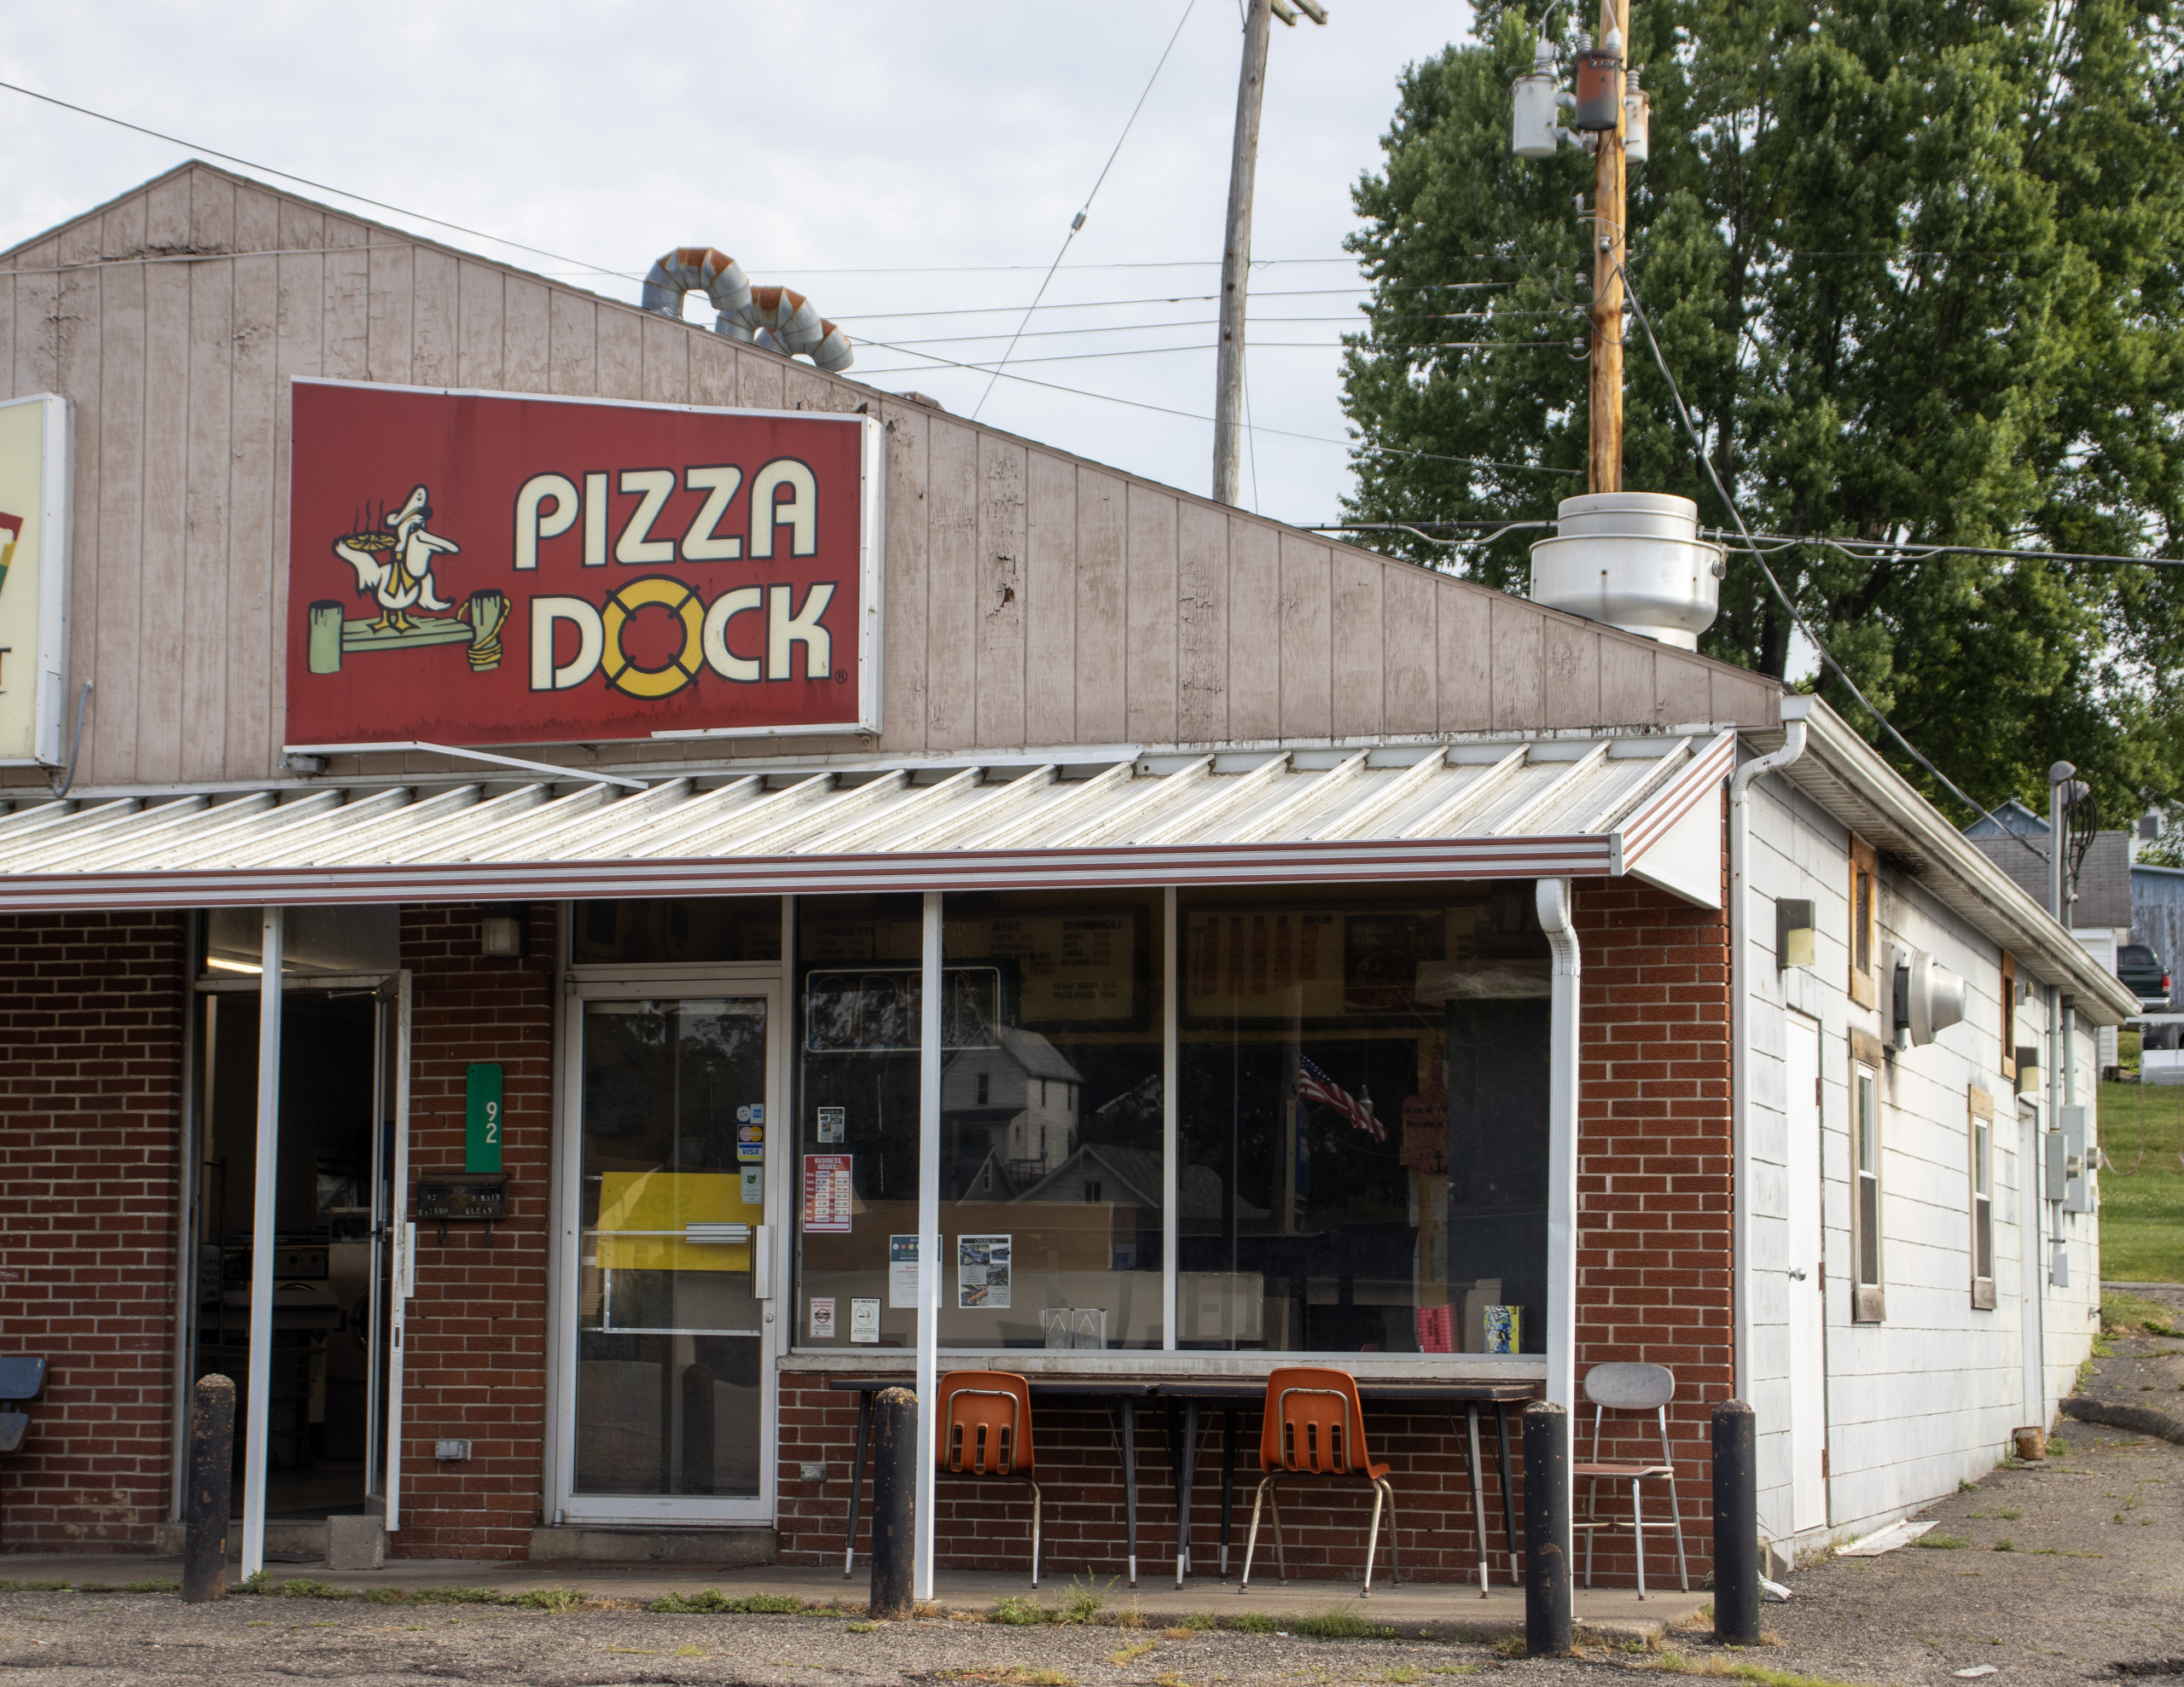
(1845, 775)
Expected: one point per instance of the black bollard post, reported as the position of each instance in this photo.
(895, 1454)
(1546, 1530)
(205, 1501)
(1736, 1525)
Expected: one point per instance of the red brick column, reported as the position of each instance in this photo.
(1654, 1260)
(476, 1349)
(91, 1028)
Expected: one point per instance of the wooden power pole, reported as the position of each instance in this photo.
(1236, 245)
(1604, 457)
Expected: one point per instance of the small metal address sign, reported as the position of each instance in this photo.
(481, 1140)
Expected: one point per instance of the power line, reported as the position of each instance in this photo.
(906, 346)
(1084, 210)
(1168, 299)
(1699, 447)
(1188, 415)
(317, 186)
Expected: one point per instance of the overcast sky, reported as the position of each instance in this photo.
(849, 148)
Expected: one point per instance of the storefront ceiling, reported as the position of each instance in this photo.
(1551, 807)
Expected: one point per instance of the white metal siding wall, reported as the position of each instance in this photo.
(1929, 1396)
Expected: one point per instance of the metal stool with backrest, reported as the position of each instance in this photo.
(1631, 1388)
(985, 1432)
(1316, 1428)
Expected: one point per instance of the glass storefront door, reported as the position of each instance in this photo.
(667, 1386)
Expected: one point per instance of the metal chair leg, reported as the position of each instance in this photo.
(1592, 1512)
(1371, 1537)
(1395, 1542)
(1034, 1486)
(1675, 1510)
(1638, 1535)
(1251, 1539)
(1281, 1558)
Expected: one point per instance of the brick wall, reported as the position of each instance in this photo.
(1653, 1285)
(475, 1367)
(91, 1019)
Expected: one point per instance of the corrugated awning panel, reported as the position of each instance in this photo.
(1503, 810)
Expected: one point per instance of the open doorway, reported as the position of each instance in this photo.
(327, 1393)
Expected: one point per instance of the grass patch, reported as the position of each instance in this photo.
(1017, 1611)
(453, 1596)
(1011, 1674)
(1130, 1654)
(1738, 1669)
(549, 1598)
(1340, 1623)
(1249, 1622)
(308, 1587)
(712, 1601)
(862, 1627)
(2142, 1215)
(1935, 1540)
(153, 1587)
(2123, 1313)
(2004, 1545)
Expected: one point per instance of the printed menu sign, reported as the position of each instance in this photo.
(827, 1194)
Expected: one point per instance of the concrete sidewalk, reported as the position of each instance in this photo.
(1436, 1610)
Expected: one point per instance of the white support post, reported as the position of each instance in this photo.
(264, 1190)
(1554, 898)
(1170, 1090)
(929, 1256)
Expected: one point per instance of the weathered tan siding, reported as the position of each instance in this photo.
(1032, 599)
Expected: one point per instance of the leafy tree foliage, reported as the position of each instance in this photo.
(1914, 267)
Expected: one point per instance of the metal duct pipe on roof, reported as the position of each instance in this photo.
(694, 269)
(773, 318)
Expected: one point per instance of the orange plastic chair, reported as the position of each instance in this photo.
(1314, 1427)
(985, 1434)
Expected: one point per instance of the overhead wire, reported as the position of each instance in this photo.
(1085, 210)
(1705, 457)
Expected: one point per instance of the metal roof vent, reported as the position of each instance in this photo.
(1635, 560)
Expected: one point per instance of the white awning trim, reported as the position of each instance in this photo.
(1551, 807)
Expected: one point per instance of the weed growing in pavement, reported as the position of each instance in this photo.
(258, 1581)
(1081, 1600)
(97, 1588)
(2056, 1445)
(1179, 1634)
(1170, 1681)
(862, 1627)
(712, 1600)
(1010, 1674)
(2004, 1545)
(1964, 1487)
(309, 1587)
(1019, 1610)
(1456, 1669)
(153, 1587)
(1514, 1647)
(1131, 1653)
(2010, 1516)
(1250, 1622)
(1736, 1669)
(549, 1599)
(1339, 1624)
(1937, 1541)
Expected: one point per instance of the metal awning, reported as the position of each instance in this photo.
(1549, 808)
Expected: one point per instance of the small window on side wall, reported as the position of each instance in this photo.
(1980, 1136)
(1865, 922)
(2009, 1015)
(1867, 1302)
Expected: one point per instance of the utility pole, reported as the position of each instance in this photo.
(1604, 455)
(1236, 245)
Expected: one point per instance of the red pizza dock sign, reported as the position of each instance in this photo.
(471, 568)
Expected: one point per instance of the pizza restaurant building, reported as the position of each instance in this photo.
(740, 852)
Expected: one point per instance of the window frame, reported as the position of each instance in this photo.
(1864, 937)
(1979, 1123)
(1867, 1274)
(2009, 1017)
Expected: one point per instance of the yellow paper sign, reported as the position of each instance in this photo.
(644, 1219)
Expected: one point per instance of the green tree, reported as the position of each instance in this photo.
(1914, 267)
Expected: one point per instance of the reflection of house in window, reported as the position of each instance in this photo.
(1016, 1102)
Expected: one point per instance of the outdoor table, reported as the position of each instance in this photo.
(1120, 1395)
(1231, 1396)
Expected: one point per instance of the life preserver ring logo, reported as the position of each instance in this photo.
(680, 600)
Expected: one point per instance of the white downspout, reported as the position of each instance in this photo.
(1554, 900)
(1552, 896)
(929, 1036)
(1740, 984)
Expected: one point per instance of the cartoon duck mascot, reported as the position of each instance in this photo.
(396, 567)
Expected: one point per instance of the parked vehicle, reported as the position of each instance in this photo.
(2140, 967)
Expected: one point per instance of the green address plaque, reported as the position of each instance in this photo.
(482, 1117)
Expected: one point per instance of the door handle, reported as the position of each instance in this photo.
(762, 1262)
(1797, 1273)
